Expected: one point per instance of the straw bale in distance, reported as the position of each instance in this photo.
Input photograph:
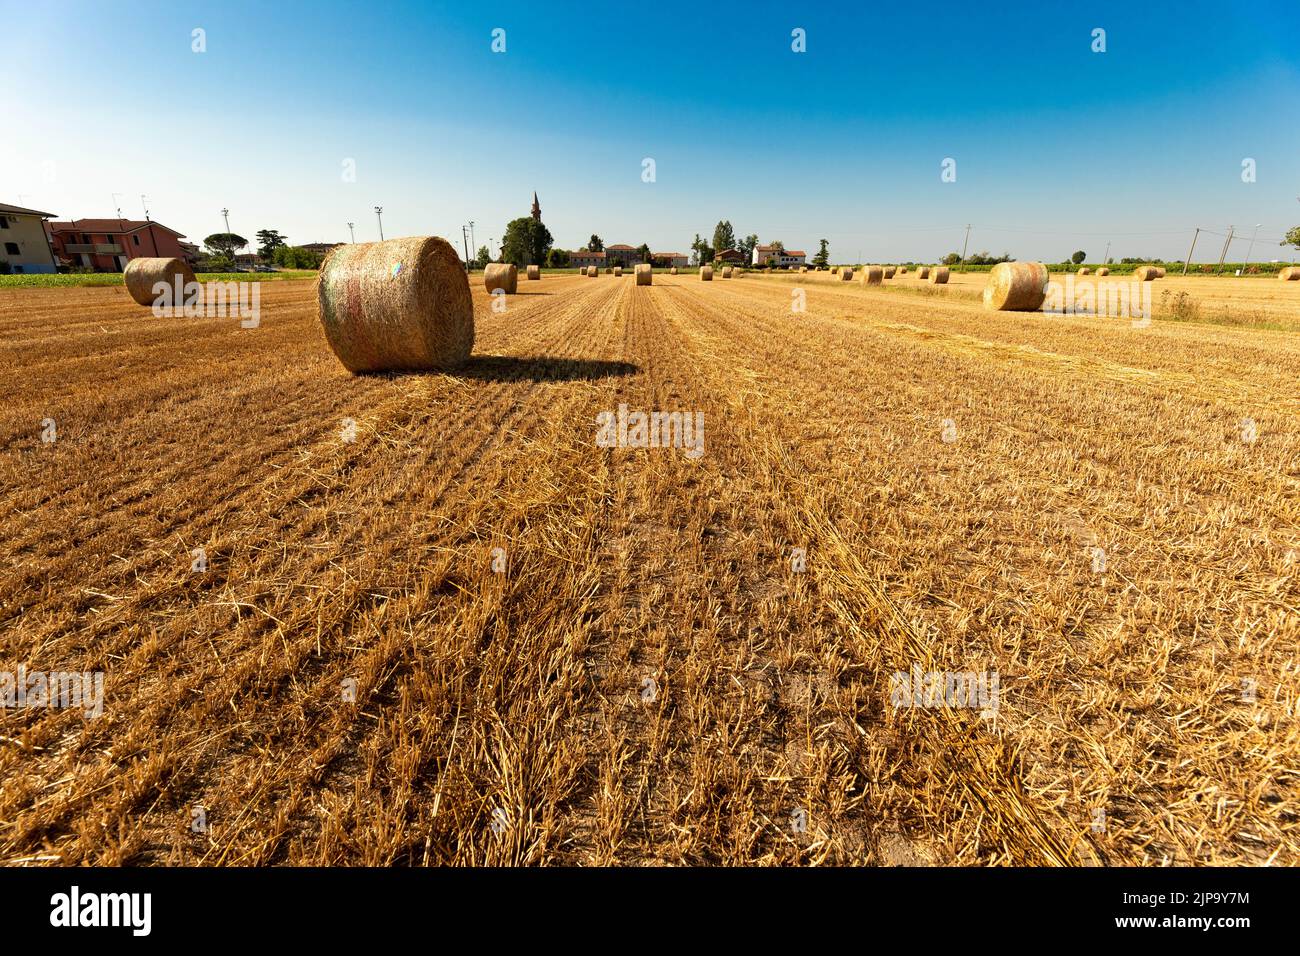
(923, 272)
(618, 270)
(939, 275)
(1160, 272)
(672, 271)
(1016, 287)
(1145, 273)
(401, 304)
(889, 272)
(846, 275)
(873, 275)
(534, 272)
(1289, 274)
(1084, 270)
(501, 275)
(706, 273)
(141, 275)
(643, 274)
(592, 272)
(726, 272)
(902, 270)
(1103, 271)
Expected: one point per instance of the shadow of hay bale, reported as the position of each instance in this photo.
(539, 368)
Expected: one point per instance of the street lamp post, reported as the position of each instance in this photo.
(225, 214)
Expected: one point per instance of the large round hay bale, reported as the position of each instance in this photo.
(534, 272)
(501, 275)
(872, 275)
(592, 272)
(1084, 270)
(672, 271)
(846, 275)
(1103, 271)
(889, 271)
(618, 270)
(939, 275)
(834, 269)
(142, 274)
(726, 272)
(643, 274)
(1160, 272)
(706, 273)
(923, 272)
(1016, 287)
(1289, 274)
(402, 304)
(1145, 273)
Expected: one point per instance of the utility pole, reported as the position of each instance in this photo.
(471, 236)
(1250, 248)
(464, 238)
(1191, 250)
(1224, 254)
(379, 214)
(1106, 254)
(352, 233)
(963, 248)
(225, 214)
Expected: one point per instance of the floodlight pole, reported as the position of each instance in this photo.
(379, 214)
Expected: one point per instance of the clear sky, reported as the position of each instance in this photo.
(1057, 148)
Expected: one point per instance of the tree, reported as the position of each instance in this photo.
(778, 247)
(951, 259)
(595, 244)
(225, 244)
(724, 237)
(822, 259)
(270, 240)
(747, 246)
(703, 253)
(296, 257)
(1078, 257)
(1292, 238)
(557, 259)
(526, 243)
(643, 251)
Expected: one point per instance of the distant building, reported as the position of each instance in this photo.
(671, 258)
(320, 247)
(791, 257)
(585, 257)
(107, 245)
(627, 253)
(730, 256)
(25, 240)
(537, 208)
(192, 252)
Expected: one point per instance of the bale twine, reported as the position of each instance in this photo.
(1084, 270)
(846, 275)
(873, 275)
(1145, 273)
(1016, 287)
(592, 272)
(726, 272)
(923, 272)
(402, 304)
(889, 272)
(1103, 271)
(501, 275)
(1290, 274)
(618, 270)
(643, 272)
(706, 273)
(142, 274)
(534, 272)
(939, 275)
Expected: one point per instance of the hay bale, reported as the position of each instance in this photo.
(402, 304)
(1084, 270)
(1016, 287)
(923, 272)
(872, 275)
(1160, 272)
(501, 275)
(142, 274)
(902, 270)
(534, 272)
(1145, 273)
(706, 273)
(608, 271)
(643, 274)
(726, 272)
(1290, 274)
(1103, 271)
(803, 269)
(834, 269)
(672, 271)
(592, 272)
(889, 272)
(618, 270)
(846, 275)
(939, 275)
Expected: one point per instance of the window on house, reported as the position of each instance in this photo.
(137, 240)
(11, 248)
(4, 222)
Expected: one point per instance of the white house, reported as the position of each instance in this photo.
(791, 257)
(25, 240)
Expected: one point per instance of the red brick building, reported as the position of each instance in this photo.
(107, 245)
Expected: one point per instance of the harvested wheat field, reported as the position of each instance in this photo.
(435, 622)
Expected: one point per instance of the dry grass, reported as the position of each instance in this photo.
(519, 694)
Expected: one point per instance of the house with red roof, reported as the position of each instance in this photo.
(107, 245)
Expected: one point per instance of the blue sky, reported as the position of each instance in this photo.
(1057, 147)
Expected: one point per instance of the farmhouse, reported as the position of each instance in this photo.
(25, 240)
(730, 257)
(585, 257)
(627, 254)
(669, 259)
(789, 257)
(107, 245)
